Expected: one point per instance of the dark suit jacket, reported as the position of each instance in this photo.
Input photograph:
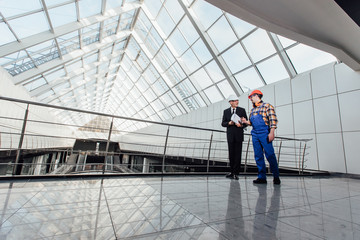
(233, 133)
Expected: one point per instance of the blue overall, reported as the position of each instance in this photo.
(261, 144)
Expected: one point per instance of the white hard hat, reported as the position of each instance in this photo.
(232, 98)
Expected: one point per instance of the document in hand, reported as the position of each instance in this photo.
(235, 118)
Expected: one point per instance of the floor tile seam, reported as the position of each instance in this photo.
(330, 216)
(172, 230)
(225, 220)
(288, 224)
(49, 221)
(79, 231)
(307, 211)
(62, 204)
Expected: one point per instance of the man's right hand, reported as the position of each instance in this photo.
(231, 123)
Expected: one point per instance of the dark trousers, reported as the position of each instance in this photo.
(235, 150)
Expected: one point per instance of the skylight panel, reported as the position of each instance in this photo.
(207, 13)
(126, 20)
(225, 88)
(29, 25)
(214, 71)
(160, 87)
(305, 58)
(167, 100)
(178, 42)
(259, 45)
(142, 85)
(93, 57)
(153, 7)
(249, 79)
(202, 79)
(272, 70)
(241, 27)
(213, 94)
(190, 61)
(11, 8)
(165, 57)
(113, 3)
(6, 35)
(34, 83)
(188, 30)
(69, 42)
(165, 22)
(56, 74)
(174, 9)
(74, 66)
(187, 88)
(150, 95)
(89, 7)
(175, 109)
(236, 58)
(151, 74)
(63, 14)
(201, 51)
(285, 42)
(227, 36)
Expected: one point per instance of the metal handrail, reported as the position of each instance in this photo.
(168, 145)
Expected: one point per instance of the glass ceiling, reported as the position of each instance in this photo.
(150, 59)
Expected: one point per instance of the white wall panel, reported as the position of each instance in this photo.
(304, 118)
(282, 93)
(301, 88)
(285, 118)
(323, 81)
(346, 78)
(326, 113)
(269, 94)
(350, 114)
(331, 152)
(351, 140)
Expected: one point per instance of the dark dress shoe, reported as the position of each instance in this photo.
(260, 181)
(277, 181)
(235, 177)
(229, 175)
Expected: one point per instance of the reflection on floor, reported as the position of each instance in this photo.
(180, 208)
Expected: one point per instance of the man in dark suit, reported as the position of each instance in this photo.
(234, 134)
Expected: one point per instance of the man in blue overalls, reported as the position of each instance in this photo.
(263, 121)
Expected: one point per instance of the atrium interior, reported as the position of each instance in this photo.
(110, 118)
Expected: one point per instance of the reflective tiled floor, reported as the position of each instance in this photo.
(180, 208)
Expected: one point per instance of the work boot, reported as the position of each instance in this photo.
(277, 181)
(260, 181)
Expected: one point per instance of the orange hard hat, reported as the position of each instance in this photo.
(255, 92)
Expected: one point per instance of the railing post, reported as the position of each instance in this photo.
(303, 159)
(166, 140)
(278, 158)
(107, 144)
(18, 152)
(208, 161)
(246, 155)
(299, 159)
